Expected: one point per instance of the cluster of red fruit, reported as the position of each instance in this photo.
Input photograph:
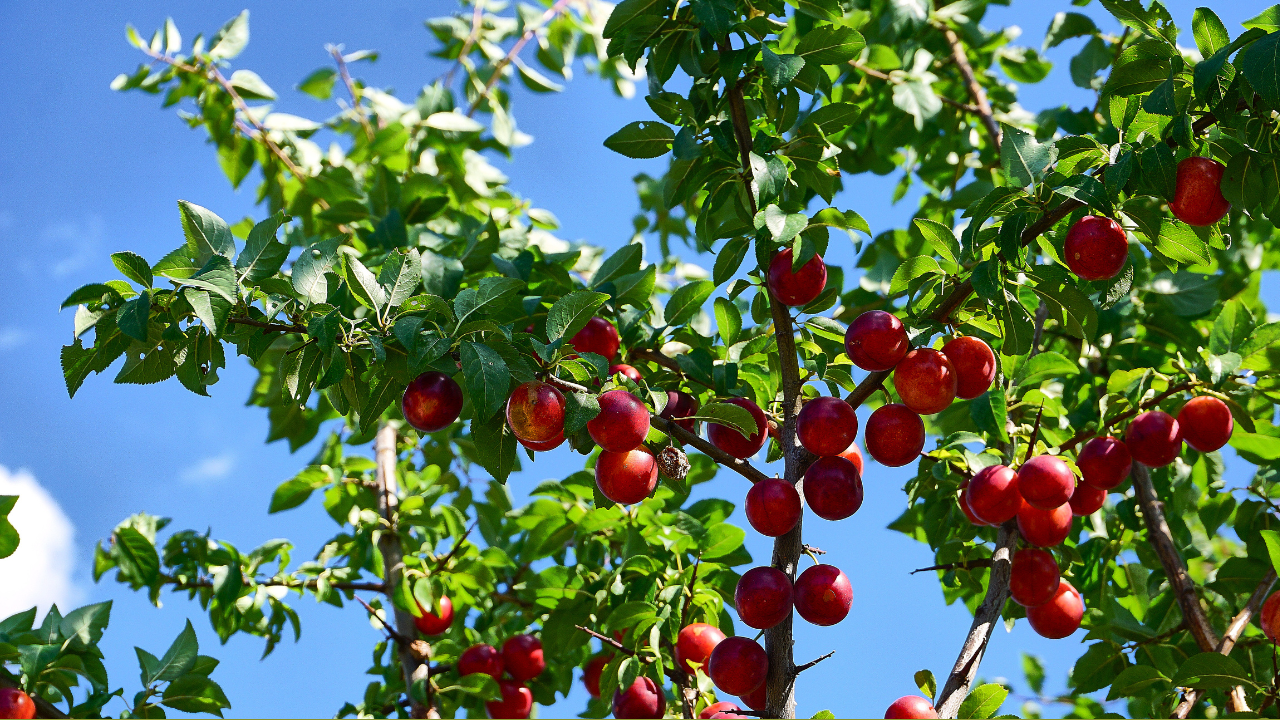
(16, 704)
(521, 658)
(1096, 247)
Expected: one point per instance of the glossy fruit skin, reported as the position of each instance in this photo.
(1087, 500)
(627, 477)
(1034, 577)
(926, 381)
(522, 657)
(826, 426)
(695, 643)
(1045, 481)
(598, 336)
(551, 444)
(854, 455)
(773, 507)
(963, 501)
(535, 412)
(16, 704)
(993, 494)
(591, 674)
(481, 659)
(1104, 462)
(974, 363)
(724, 706)
(680, 404)
(823, 595)
(732, 441)
(516, 702)
(833, 488)
(876, 340)
(643, 699)
(763, 597)
(1197, 197)
(800, 288)
(627, 371)
(738, 666)
(1154, 438)
(432, 624)
(894, 435)
(1045, 528)
(911, 706)
(1096, 248)
(1061, 615)
(1269, 618)
(1206, 423)
(622, 424)
(756, 699)
(431, 402)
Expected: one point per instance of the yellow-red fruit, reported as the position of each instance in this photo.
(1206, 423)
(974, 363)
(894, 435)
(1096, 248)
(695, 643)
(911, 707)
(1197, 195)
(627, 477)
(735, 443)
(429, 623)
(926, 381)
(800, 287)
(1269, 618)
(598, 336)
(826, 426)
(431, 402)
(535, 412)
(1061, 615)
(876, 341)
(1154, 438)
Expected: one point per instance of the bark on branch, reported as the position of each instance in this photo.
(742, 467)
(976, 92)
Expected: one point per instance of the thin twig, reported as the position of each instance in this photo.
(900, 81)
(274, 327)
(1082, 436)
(529, 32)
(442, 563)
(811, 663)
(385, 625)
(669, 363)
(976, 93)
(356, 107)
(962, 565)
(477, 18)
(1035, 434)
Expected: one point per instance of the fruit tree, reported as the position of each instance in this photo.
(1061, 342)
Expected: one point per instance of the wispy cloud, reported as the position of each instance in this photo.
(207, 470)
(39, 571)
(74, 244)
(12, 337)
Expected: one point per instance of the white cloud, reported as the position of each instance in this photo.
(13, 337)
(39, 571)
(74, 244)
(214, 467)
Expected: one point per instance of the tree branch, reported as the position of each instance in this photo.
(672, 673)
(336, 52)
(984, 622)
(1082, 436)
(811, 663)
(962, 565)
(976, 93)
(529, 32)
(742, 467)
(974, 109)
(203, 582)
(276, 327)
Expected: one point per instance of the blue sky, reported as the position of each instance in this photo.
(86, 172)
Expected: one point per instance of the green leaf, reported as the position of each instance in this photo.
(1264, 447)
(8, 533)
(1242, 184)
(641, 139)
(1088, 190)
(251, 86)
(1154, 21)
(571, 313)
(453, 121)
(722, 540)
(487, 378)
(495, 446)
(1211, 34)
(1180, 243)
(625, 616)
(1066, 303)
(263, 255)
(134, 316)
(310, 268)
(1268, 20)
(728, 415)
(983, 702)
(728, 320)
(1097, 667)
(989, 412)
(231, 38)
(1272, 540)
(940, 238)
(491, 290)
(782, 226)
(1187, 293)
(139, 553)
(717, 16)
(912, 268)
(93, 295)
(364, 286)
(195, 694)
(830, 45)
(216, 276)
(133, 267)
(780, 70)
(728, 260)
(1033, 669)
(84, 624)
(1211, 670)
(295, 491)
(623, 262)
(319, 84)
(686, 302)
(1044, 366)
(479, 685)
(207, 234)
(1263, 336)
(628, 10)
(1260, 63)
(846, 220)
(1022, 157)
(580, 408)
(401, 272)
(1067, 25)
(1134, 681)
(180, 656)
(1136, 77)
(1015, 325)
(927, 683)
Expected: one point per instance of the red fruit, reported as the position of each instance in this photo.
(622, 424)
(598, 336)
(823, 595)
(724, 706)
(854, 455)
(1154, 438)
(963, 501)
(431, 402)
(680, 404)
(926, 381)
(732, 441)
(974, 364)
(627, 477)
(738, 666)
(799, 288)
(516, 702)
(695, 643)
(591, 673)
(551, 444)
(1087, 500)
(1268, 619)
(894, 435)
(773, 507)
(826, 426)
(993, 494)
(16, 704)
(1104, 462)
(720, 715)
(911, 706)
(1206, 423)
(1044, 528)
(1060, 616)
(756, 699)
(763, 598)
(433, 624)
(1033, 579)
(643, 699)
(522, 657)
(876, 341)
(1045, 482)
(1096, 248)
(833, 488)
(626, 370)
(535, 412)
(1197, 197)
(480, 659)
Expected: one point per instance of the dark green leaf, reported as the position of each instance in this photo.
(1210, 670)
(133, 267)
(1260, 63)
(686, 302)
(983, 702)
(641, 139)
(571, 313)
(487, 378)
(263, 255)
(830, 45)
(134, 316)
(1022, 156)
(207, 234)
